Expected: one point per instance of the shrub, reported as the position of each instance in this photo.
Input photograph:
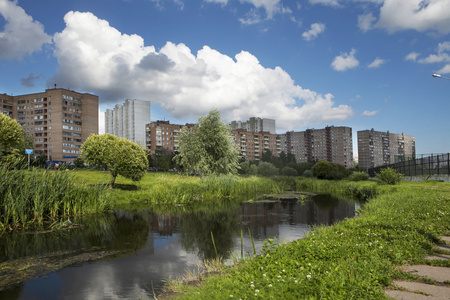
(327, 170)
(267, 169)
(289, 171)
(308, 174)
(358, 176)
(389, 176)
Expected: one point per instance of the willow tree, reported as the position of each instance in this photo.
(208, 147)
(120, 156)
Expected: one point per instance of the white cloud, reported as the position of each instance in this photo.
(159, 5)
(345, 61)
(334, 3)
(315, 30)
(22, 35)
(420, 15)
(376, 63)
(370, 113)
(116, 66)
(271, 7)
(442, 56)
(412, 56)
(445, 70)
(365, 22)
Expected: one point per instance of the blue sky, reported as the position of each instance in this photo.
(307, 64)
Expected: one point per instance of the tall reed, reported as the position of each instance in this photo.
(39, 196)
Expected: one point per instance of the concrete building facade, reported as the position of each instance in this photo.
(334, 144)
(59, 120)
(162, 135)
(255, 125)
(377, 148)
(253, 144)
(129, 120)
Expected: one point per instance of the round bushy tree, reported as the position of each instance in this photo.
(119, 155)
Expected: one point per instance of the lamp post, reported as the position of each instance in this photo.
(440, 76)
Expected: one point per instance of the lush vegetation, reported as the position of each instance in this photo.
(13, 142)
(208, 147)
(119, 155)
(44, 197)
(354, 259)
(176, 188)
(389, 176)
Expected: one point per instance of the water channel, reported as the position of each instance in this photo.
(129, 254)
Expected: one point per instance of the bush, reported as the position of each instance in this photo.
(267, 169)
(358, 176)
(308, 174)
(389, 176)
(327, 170)
(289, 171)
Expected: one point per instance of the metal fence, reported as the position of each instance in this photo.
(421, 165)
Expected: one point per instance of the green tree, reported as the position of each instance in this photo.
(327, 170)
(119, 155)
(13, 140)
(267, 169)
(208, 147)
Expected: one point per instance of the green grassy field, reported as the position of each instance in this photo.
(176, 188)
(354, 259)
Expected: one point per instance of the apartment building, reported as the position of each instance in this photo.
(334, 144)
(129, 120)
(59, 120)
(253, 144)
(376, 148)
(162, 135)
(255, 125)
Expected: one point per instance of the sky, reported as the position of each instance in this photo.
(307, 63)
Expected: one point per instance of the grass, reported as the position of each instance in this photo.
(353, 259)
(175, 188)
(38, 197)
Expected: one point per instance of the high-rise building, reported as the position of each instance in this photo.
(376, 148)
(163, 135)
(253, 144)
(332, 143)
(129, 120)
(255, 125)
(59, 120)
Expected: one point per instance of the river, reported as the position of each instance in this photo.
(128, 254)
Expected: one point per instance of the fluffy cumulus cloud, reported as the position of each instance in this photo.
(441, 57)
(21, 34)
(315, 30)
(94, 56)
(365, 22)
(345, 61)
(420, 15)
(376, 63)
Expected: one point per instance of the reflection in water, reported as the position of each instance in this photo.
(148, 248)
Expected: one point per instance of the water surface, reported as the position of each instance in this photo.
(132, 253)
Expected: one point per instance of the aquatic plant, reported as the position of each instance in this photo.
(40, 196)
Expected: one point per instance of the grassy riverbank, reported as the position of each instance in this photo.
(354, 259)
(176, 188)
(38, 197)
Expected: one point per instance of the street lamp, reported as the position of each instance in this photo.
(440, 76)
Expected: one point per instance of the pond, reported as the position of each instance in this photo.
(129, 254)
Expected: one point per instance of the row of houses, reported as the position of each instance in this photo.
(60, 120)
